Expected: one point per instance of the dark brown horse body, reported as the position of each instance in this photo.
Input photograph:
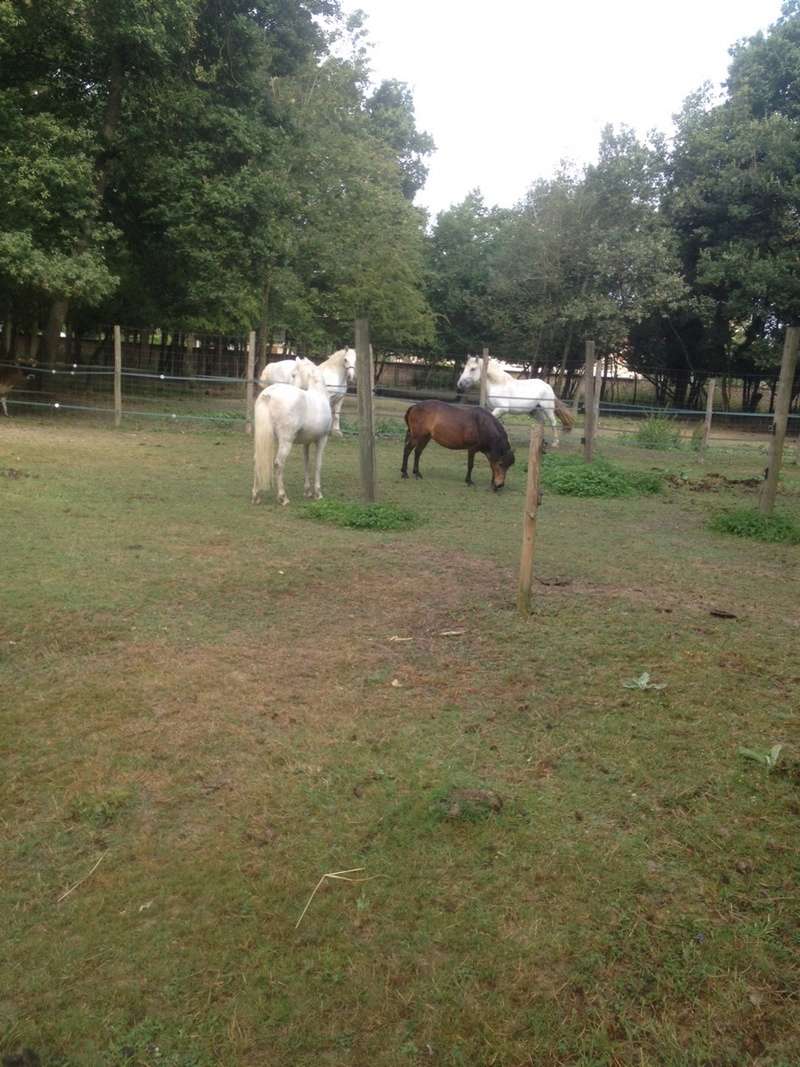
(459, 427)
(10, 377)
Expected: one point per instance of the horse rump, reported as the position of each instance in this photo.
(263, 446)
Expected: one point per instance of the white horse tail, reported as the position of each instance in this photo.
(564, 415)
(264, 441)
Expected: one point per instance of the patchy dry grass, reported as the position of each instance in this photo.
(226, 702)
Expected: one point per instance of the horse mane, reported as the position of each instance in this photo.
(499, 445)
(335, 358)
(501, 374)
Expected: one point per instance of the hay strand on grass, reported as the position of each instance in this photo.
(67, 892)
(340, 876)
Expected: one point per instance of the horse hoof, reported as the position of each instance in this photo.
(308, 494)
(416, 475)
(318, 496)
(283, 501)
(404, 474)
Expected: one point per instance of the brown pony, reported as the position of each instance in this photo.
(454, 426)
(10, 377)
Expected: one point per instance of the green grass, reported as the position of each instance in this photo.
(222, 703)
(749, 522)
(361, 516)
(657, 432)
(569, 475)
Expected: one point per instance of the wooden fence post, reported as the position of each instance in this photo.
(711, 387)
(250, 386)
(588, 402)
(783, 399)
(117, 376)
(529, 521)
(365, 377)
(484, 398)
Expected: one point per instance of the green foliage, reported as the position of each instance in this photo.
(100, 809)
(643, 683)
(361, 516)
(657, 432)
(768, 758)
(571, 476)
(748, 522)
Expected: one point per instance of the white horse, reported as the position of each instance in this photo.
(506, 393)
(287, 412)
(338, 371)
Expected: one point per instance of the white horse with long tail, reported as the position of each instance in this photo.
(338, 371)
(508, 394)
(284, 413)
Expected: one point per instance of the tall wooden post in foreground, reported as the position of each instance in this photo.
(782, 401)
(711, 387)
(588, 403)
(529, 520)
(484, 398)
(249, 388)
(117, 376)
(365, 377)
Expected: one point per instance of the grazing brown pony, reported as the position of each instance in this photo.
(454, 426)
(9, 378)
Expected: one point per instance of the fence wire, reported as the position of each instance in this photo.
(220, 399)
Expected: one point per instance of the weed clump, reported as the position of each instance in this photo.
(748, 522)
(658, 433)
(361, 516)
(571, 476)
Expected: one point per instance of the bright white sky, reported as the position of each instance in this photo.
(508, 88)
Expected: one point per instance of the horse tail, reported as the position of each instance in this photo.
(564, 415)
(264, 442)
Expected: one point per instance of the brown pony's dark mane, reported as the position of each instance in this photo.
(499, 445)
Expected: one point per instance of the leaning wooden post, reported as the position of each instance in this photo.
(250, 387)
(711, 387)
(588, 403)
(529, 521)
(117, 376)
(484, 399)
(598, 391)
(782, 401)
(365, 378)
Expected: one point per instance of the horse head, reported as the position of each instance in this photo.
(305, 374)
(500, 465)
(471, 374)
(350, 366)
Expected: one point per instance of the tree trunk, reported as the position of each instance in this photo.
(52, 335)
(262, 330)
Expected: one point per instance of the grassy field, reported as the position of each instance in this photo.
(208, 706)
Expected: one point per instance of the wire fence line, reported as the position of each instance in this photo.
(71, 386)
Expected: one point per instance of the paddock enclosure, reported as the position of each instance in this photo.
(210, 706)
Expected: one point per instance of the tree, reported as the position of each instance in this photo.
(459, 271)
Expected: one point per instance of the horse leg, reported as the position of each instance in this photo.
(307, 492)
(549, 413)
(320, 448)
(336, 408)
(3, 402)
(470, 464)
(407, 448)
(284, 448)
(419, 449)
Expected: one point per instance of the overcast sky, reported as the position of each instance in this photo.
(508, 89)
